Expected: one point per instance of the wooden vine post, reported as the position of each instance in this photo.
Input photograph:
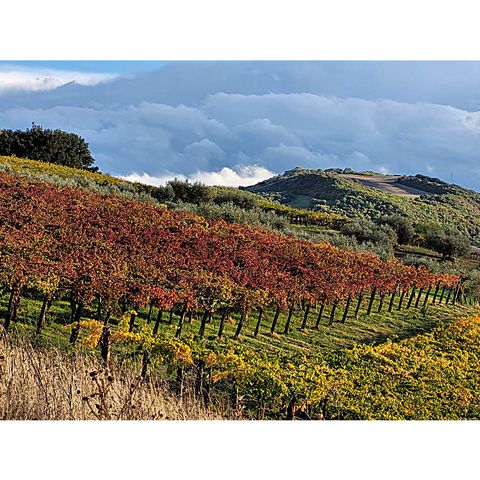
(320, 314)
(372, 298)
(347, 306)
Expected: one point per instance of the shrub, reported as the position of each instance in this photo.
(236, 197)
(234, 214)
(187, 192)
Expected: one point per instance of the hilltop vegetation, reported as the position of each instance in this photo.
(230, 204)
(335, 191)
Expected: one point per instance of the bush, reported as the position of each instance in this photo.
(236, 197)
(165, 193)
(384, 252)
(471, 285)
(417, 261)
(234, 214)
(187, 192)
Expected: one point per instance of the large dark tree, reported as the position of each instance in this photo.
(53, 146)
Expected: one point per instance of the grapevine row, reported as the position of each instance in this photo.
(115, 252)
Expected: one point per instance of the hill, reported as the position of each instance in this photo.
(421, 198)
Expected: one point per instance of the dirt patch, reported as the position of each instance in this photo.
(387, 184)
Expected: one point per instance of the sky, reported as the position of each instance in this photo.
(237, 123)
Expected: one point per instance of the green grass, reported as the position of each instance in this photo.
(420, 251)
(373, 329)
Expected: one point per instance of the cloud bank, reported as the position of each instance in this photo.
(239, 138)
(241, 176)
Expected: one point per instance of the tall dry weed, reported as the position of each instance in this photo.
(47, 384)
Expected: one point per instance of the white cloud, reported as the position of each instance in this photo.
(241, 176)
(147, 179)
(34, 80)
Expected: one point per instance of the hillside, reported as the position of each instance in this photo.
(227, 203)
(368, 194)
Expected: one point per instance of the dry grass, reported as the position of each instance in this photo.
(52, 385)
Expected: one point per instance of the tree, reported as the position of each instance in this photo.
(402, 225)
(52, 146)
(187, 192)
(448, 243)
(365, 230)
(239, 198)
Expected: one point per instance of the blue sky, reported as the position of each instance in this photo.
(236, 123)
(92, 66)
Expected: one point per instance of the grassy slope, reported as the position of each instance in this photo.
(433, 375)
(23, 165)
(59, 174)
(452, 206)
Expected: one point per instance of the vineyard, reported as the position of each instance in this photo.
(190, 297)
(119, 252)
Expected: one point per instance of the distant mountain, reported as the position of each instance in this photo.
(369, 194)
